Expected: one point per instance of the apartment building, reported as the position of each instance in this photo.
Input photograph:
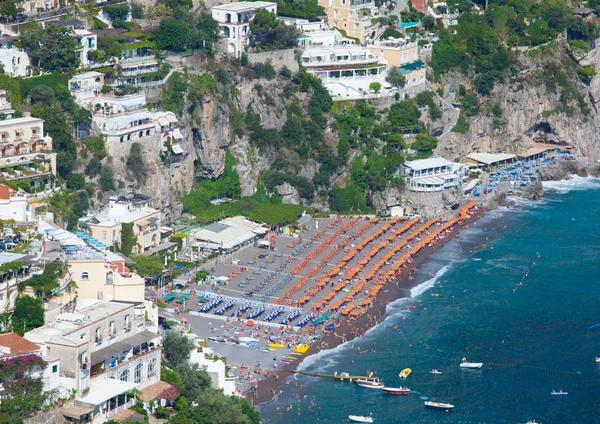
(234, 22)
(353, 17)
(137, 59)
(123, 120)
(215, 367)
(25, 153)
(18, 206)
(433, 174)
(105, 276)
(105, 353)
(86, 86)
(86, 42)
(107, 224)
(345, 70)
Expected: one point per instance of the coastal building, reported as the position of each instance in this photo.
(316, 33)
(398, 52)
(538, 152)
(433, 174)
(86, 42)
(14, 61)
(345, 70)
(105, 353)
(18, 205)
(224, 235)
(205, 357)
(490, 160)
(104, 275)
(123, 120)
(131, 212)
(15, 349)
(137, 63)
(86, 86)
(234, 22)
(354, 17)
(25, 153)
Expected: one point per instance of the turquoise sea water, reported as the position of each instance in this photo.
(523, 309)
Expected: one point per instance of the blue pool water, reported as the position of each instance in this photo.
(523, 309)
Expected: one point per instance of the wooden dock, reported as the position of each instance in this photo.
(344, 376)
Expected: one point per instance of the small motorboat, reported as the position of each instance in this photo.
(360, 419)
(370, 384)
(466, 364)
(532, 421)
(559, 393)
(434, 371)
(439, 405)
(597, 359)
(405, 373)
(397, 390)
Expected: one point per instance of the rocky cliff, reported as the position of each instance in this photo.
(544, 102)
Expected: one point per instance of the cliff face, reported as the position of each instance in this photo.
(544, 103)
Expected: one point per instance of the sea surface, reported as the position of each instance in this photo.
(519, 291)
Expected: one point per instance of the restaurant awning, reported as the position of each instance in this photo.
(107, 389)
(172, 117)
(115, 348)
(177, 149)
(177, 134)
(76, 412)
(162, 121)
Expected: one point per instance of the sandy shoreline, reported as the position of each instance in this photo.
(351, 329)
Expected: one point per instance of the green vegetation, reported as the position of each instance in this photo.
(136, 163)
(307, 9)
(186, 30)
(586, 73)
(50, 49)
(24, 391)
(44, 283)
(173, 94)
(210, 406)
(197, 202)
(462, 125)
(28, 314)
(148, 266)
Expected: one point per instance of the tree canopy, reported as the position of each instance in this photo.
(28, 314)
(148, 266)
(263, 22)
(51, 49)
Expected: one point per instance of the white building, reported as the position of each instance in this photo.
(234, 22)
(433, 174)
(106, 225)
(86, 86)
(105, 353)
(25, 153)
(86, 42)
(14, 347)
(226, 234)
(123, 120)
(18, 206)
(15, 62)
(206, 357)
(345, 70)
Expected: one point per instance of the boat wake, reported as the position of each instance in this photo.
(324, 359)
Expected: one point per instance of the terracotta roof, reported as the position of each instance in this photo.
(151, 392)
(17, 344)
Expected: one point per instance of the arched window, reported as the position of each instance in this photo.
(85, 276)
(152, 368)
(137, 377)
(124, 375)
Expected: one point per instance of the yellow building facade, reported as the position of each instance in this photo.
(351, 16)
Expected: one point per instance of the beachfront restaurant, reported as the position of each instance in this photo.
(490, 160)
(535, 153)
(433, 174)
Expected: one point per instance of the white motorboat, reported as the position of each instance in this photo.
(434, 371)
(467, 364)
(532, 421)
(370, 384)
(397, 390)
(439, 405)
(559, 393)
(360, 419)
(597, 359)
